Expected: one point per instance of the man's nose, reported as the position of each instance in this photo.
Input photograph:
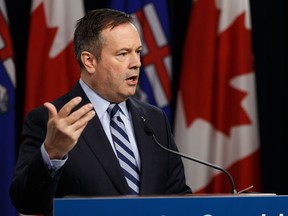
(135, 61)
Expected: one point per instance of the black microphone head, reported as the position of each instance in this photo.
(148, 129)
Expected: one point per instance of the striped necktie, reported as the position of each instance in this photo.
(123, 148)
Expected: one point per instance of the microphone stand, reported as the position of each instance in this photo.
(149, 131)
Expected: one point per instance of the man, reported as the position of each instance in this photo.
(70, 146)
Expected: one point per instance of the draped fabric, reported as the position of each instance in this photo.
(51, 68)
(7, 114)
(216, 118)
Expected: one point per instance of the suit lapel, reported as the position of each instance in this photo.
(99, 144)
(95, 137)
(143, 143)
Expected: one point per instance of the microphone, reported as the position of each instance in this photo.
(150, 132)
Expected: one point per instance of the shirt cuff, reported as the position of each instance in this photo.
(52, 165)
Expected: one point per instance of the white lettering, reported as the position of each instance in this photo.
(280, 214)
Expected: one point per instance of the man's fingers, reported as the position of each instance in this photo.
(51, 109)
(76, 119)
(83, 120)
(66, 109)
(78, 114)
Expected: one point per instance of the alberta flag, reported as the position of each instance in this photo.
(51, 65)
(216, 116)
(156, 71)
(7, 114)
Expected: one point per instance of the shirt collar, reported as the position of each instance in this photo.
(100, 104)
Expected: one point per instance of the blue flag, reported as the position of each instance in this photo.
(156, 72)
(7, 116)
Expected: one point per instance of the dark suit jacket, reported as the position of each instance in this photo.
(92, 168)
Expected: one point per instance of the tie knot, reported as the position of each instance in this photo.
(112, 110)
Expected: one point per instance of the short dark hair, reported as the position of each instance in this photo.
(87, 35)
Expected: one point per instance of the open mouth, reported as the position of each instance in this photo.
(132, 78)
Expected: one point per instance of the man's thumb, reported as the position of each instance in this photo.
(51, 109)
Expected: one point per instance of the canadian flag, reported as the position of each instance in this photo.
(216, 113)
(51, 65)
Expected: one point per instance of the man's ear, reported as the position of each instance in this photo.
(89, 61)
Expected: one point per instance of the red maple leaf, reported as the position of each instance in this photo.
(211, 61)
(47, 78)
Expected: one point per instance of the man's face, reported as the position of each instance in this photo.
(117, 72)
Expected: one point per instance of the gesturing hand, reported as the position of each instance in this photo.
(64, 127)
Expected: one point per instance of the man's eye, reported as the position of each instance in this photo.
(122, 56)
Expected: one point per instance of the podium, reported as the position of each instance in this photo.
(214, 205)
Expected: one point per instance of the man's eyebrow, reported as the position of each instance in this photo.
(125, 49)
(129, 49)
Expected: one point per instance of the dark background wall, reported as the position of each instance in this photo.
(268, 42)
